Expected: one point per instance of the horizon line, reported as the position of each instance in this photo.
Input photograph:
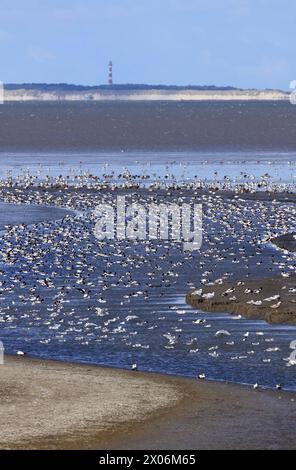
(136, 85)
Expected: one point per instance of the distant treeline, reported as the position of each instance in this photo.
(64, 87)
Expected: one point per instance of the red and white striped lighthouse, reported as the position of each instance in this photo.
(110, 74)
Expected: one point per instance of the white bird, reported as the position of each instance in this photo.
(222, 333)
(21, 353)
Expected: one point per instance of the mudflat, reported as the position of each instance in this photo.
(272, 300)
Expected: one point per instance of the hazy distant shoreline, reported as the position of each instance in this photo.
(138, 93)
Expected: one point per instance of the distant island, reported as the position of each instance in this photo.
(134, 92)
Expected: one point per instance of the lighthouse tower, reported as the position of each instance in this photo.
(110, 73)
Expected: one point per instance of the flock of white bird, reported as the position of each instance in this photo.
(60, 285)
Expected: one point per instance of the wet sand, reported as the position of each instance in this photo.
(52, 405)
(272, 300)
(220, 416)
(48, 404)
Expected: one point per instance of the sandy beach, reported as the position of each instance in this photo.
(52, 405)
(47, 404)
(102, 95)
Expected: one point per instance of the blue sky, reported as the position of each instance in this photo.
(244, 43)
